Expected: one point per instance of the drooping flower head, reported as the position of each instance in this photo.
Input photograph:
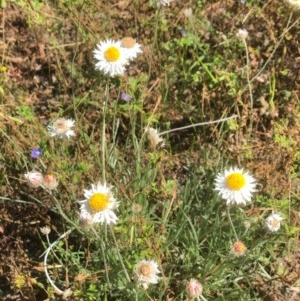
(294, 3)
(188, 12)
(235, 186)
(273, 222)
(153, 137)
(194, 288)
(62, 128)
(238, 249)
(34, 178)
(50, 181)
(45, 230)
(242, 34)
(163, 2)
(111, 57)
(146, 272)
(131, 47)
(99, 205)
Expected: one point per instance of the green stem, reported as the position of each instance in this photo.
(103, 139)
(249, 84)
(208, 72)
(103, 254)
(119, 255)
(231, 223)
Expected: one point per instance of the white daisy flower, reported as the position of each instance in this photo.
(146, 272)
(273, 222)
(235, 186)
(154, 139)
(111, 57)
(294, 3)
(62, 128)
(99, 205)
(164, 2)
(131, 46)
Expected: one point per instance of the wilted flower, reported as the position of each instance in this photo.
(45, 230)
(136, 208)
(36, 153)
(235, 186)
(238, 249)
(164, 2)
(194, 288)
(131, 47)
(62, 128)
(146, 272)
(242, 34)
(67, 293)
(34, 178)
(111, 57)
(99, 205)
(50, 181)
(188, 12)
(125, 97)
(294, 3)
(273, 222)
(154, 138)
(85, 218)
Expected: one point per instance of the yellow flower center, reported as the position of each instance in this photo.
(235, 181)
(99, 201)
(112, 54)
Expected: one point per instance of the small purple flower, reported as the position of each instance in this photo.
(125, 97)
(36, 153)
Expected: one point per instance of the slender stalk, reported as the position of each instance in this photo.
(197, 124)
(119, 255)
(61, 212)
(57, 290)
(103, 254)
(202, 298)
(231, 223)
(215, 81)
(103, 139)
(249, 83)
(285, 31)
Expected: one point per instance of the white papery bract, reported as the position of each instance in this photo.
(99, 205)
(146, 272)
(62, 128)
(273, 222)
(111, 57)
(235, 186)
(164, 2)
(131, 47)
